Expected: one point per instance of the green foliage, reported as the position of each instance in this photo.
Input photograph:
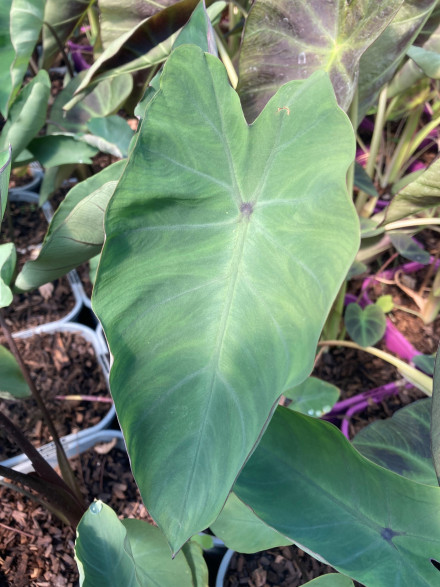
(229, 239)
(5, 170)
(334, 502)
(241, 530)
(401, 443)
(27, 115)
(313, 396)
(366, 326)
(8, 259)
(13, 385)
(110, 552)
(290, 39)
(76, 232)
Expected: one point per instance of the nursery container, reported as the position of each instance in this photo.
(74, 443)
(36, 176)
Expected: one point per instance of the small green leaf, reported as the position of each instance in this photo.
(385, 303)
(105, 99)
(401, 443)
(205, 541)
(61, 149)
(129, 553)
(5, 171)
(76, 232)
(12, 382)
(370, 228)
(363, 181)
(314, 397)
(356, 269)
(27, 115)
(425, 363)
(365, 326)
(422, 193)
(243, 531)
(25, 27)
(428, 61)
(115, 130)
(8, 259)
(408, 248)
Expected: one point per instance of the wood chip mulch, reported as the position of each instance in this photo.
(62, 363)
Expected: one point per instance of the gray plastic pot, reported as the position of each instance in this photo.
(36, 172)
(74, 442)
(221, 573)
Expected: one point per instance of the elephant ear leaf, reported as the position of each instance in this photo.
(209, 289)
(290, 39)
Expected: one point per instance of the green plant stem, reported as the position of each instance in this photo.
(412, 222)
(229, 66)
(376, 139)
(63, 461)
(416, 377)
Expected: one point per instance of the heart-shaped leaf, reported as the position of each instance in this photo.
(313, 396)
(401, 443)
(409, 248)
(210, 289)
(132, 553)
(365, 326)
(335, 502)
(290, 39)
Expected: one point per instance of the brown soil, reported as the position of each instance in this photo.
(287, 566)
(36, 549)
(63, 363)
(48, 303)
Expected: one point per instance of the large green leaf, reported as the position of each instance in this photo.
(8, 259)
(76, 232)
(25, 26)
(128, 553)
(12, 382)
(212, 288)
(106, 98)
(290, 39)
(367, 522)
(241, 530)
(422, 193)
(61, 17)
(5, 172)
(380, 62)
(435, 418)
(428, 61)
(7, 55)
(27, 115)
(401, 443)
